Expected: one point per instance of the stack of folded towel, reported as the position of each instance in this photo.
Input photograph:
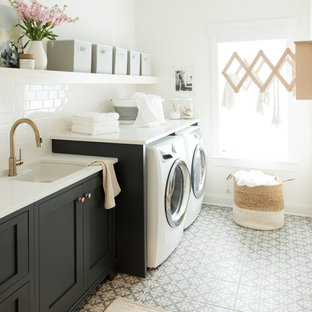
(95, 123)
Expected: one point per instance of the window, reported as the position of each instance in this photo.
(245, 127)
(248, 125)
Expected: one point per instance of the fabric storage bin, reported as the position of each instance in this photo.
(259, 207)
(134, 63)
(146, 64)
(127, 110)
(102, 59)
(120, 61)
(69, 55)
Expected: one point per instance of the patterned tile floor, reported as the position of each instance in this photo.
(220, 266)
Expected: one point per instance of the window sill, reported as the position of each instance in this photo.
(253, 163)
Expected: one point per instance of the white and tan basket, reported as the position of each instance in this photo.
(259, 207)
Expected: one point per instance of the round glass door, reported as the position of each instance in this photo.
(177, 193)
(199, 166)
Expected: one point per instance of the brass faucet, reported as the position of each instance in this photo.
(12, 160)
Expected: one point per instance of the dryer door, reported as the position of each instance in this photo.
(178, 189)
(199, 167)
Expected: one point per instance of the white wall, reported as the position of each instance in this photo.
(101, 21)
(175, 32)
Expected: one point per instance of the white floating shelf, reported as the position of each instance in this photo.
(16, 75)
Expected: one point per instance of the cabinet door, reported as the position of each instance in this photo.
(17, 302)
(14, 244)
(60, 251)
(99, 232)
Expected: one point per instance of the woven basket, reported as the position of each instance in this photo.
(259, 207)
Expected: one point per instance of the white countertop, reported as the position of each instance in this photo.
(130, 134)
(18, 194)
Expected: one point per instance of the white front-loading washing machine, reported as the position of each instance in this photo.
(197, 164)
(168, 192)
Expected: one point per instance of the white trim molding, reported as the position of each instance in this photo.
(261, 163)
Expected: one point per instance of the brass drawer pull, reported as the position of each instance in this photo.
(88, 195)
(81, 199)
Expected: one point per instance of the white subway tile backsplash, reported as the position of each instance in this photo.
(12, 117)
(26, 105)
(51, 107)
(62, 94)
(35, 105)
(30, 95)
(47, 104)
(36, 87)
(58, 103)
(47, 87)
(52, 94)
(43, 95)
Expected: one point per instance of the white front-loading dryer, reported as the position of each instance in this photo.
(168, 192)
(197, 164)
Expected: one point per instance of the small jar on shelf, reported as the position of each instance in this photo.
(187, 108)
(175, 109)
(27, 61)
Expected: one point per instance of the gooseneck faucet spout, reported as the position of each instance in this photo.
(12, 160)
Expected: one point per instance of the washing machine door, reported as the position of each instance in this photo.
(177, 194)
(198, 172)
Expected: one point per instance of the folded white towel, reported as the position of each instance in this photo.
(95, 130)
(114, 123)
(110, 183)
(94, 117)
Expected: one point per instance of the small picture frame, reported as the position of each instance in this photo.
(183, 79)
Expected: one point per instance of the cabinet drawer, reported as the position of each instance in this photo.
(14, 244)
(18, 301)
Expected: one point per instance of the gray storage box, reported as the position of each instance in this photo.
(69, 55)
(146, 64)
(134, 63)
(120, 61)
(102, 59)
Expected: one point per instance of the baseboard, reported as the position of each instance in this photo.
(227, 200)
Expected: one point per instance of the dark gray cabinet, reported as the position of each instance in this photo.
(14, 253)
(76, 244)
(98, 231)
(60, 251)
(52, 253)
(18, 301)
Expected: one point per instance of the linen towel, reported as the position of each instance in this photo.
(263, 99)
(276, 119)
(110, 183)
(94, 117)
(229, 96)
(94, 130)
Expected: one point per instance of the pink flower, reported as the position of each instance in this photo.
(39, 13)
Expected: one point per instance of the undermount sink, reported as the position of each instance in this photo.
(46, 171)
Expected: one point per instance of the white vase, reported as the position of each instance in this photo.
(37, 49)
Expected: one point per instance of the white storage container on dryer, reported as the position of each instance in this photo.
(69, 55)
(102, 59)
(120, 61)
(134, 63)
(146, 64)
